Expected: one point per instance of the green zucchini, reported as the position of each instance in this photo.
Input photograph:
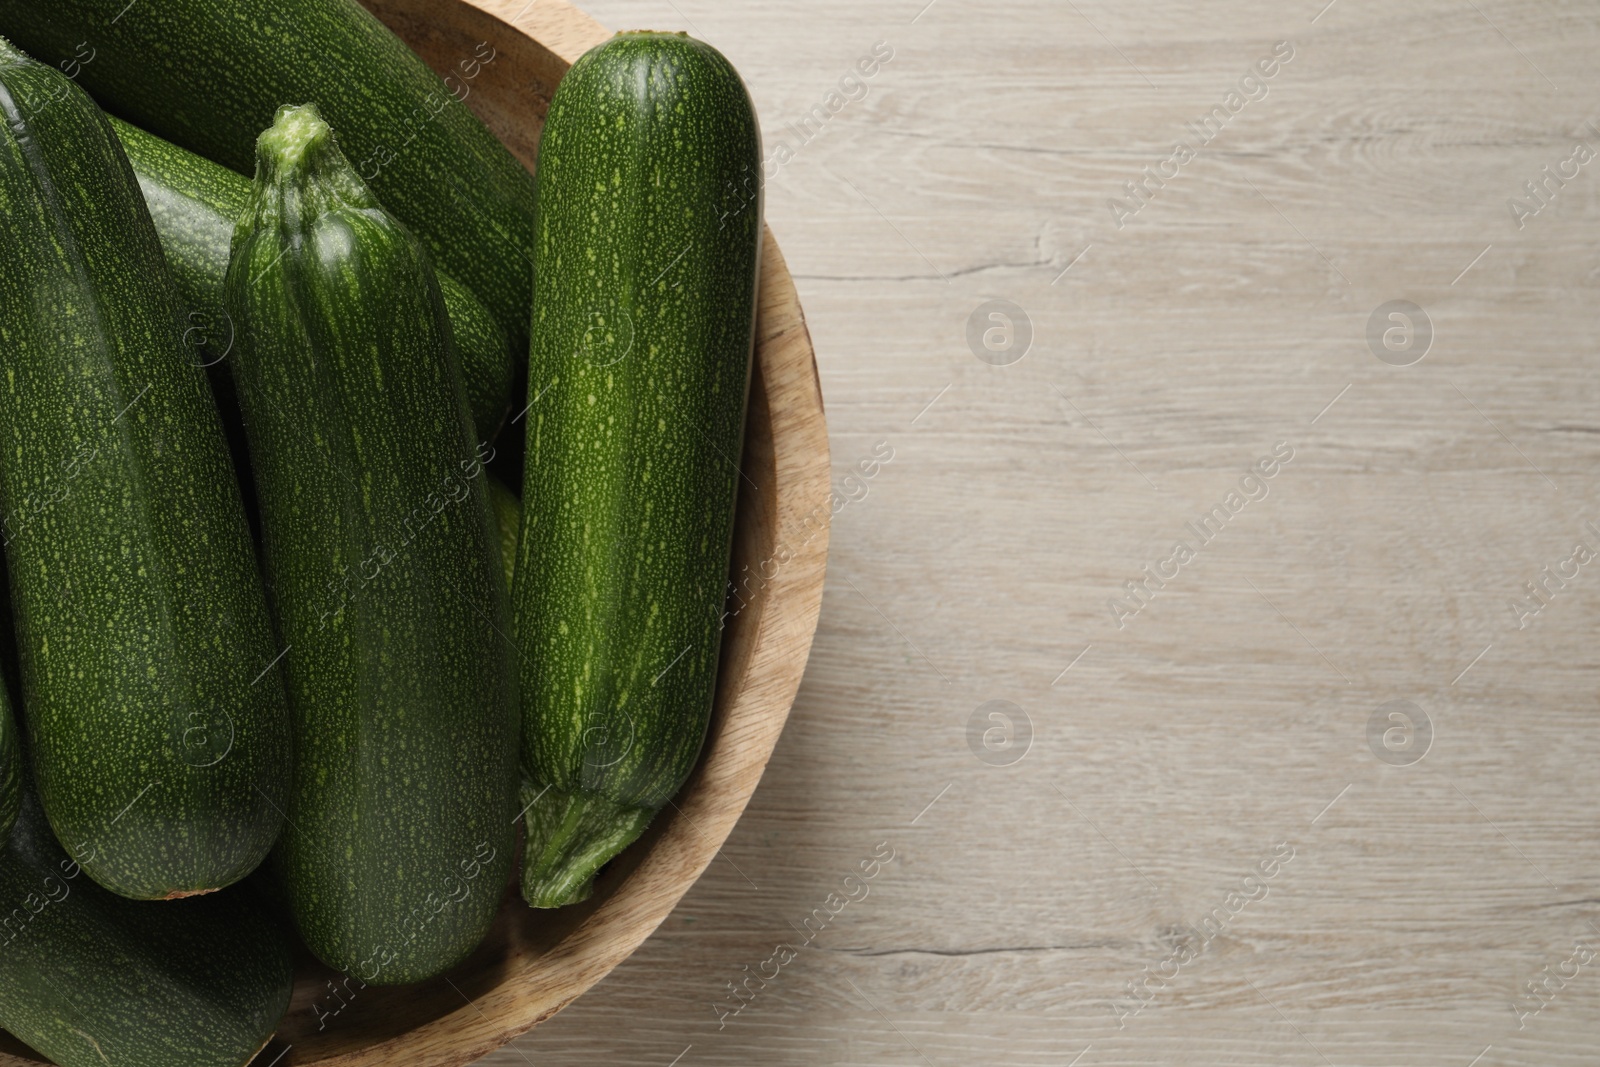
(382, 570)
(89, 979)
(10, 765)
(11, 769)
(195, 203)
(209, 74)
(158, 726)
(507, 520)
(644, 297)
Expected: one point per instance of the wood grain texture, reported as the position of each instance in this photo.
(1218, 321)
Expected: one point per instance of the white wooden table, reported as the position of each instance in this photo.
(1104, 899)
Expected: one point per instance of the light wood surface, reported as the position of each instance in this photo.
(1228, 714)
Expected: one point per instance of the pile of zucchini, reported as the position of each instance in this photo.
(277, 625)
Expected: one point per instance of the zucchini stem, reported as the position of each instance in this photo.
(570, 837)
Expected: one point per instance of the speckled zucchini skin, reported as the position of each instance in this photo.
(644, 311)
(507, 521)
(383, 571)
(195, 203)
(10, 764)
(158, 725)
(209, 74)
(89, 979)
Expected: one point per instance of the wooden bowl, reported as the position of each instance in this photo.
(534, 963)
